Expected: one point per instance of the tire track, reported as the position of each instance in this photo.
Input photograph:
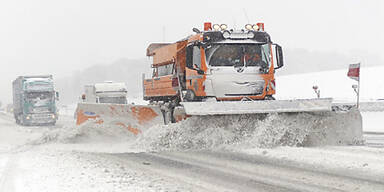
(235, 172)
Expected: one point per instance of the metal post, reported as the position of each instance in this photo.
(358, 92)
(317, 91)
(355, 75)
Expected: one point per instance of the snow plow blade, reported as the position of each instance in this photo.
(133, 118)
(314, 121)
(254, 107)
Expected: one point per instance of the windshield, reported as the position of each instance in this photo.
(40, 98)
(238, 55)
(116, 100)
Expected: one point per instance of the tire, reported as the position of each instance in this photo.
(21, 120)
(190, 96)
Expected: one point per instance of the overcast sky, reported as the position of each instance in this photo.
(60, 37)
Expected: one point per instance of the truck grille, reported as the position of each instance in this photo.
(40, 110)
(42, 116)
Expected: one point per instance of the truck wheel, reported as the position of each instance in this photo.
(190, 96)
(21, 120)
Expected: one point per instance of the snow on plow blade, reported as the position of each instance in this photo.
(251, 107)
(134, 118)
(313, 121)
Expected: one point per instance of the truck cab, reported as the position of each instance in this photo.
(34, 100)
(106, 92)
(227, 65)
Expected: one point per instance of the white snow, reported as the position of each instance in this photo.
(360, 160)
(337, 85)
(333, 84)
(373, 121)
(65, 157)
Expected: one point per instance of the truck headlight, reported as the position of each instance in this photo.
(216, 27)
(248, 27)
(53, 116)
(28, 117)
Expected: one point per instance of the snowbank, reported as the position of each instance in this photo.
(333, 84)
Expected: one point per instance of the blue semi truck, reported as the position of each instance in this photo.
(34, 100)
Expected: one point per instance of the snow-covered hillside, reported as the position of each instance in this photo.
(333, 84)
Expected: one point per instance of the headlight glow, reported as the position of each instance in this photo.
(223, 27)
(216, 27)
(248, 27)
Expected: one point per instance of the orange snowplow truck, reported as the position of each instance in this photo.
(223, 77)
(227, 65)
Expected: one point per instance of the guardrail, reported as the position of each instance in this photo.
(367, 106)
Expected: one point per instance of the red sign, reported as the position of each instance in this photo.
(354, 71)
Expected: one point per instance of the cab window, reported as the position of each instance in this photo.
(165, 70)
(193, 57)
(196, 57)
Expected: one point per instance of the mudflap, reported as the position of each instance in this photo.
(133, 118)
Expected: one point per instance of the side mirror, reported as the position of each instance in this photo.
(279, 57)
(196, 30)
(57, 95)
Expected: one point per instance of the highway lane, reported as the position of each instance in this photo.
(229, 171)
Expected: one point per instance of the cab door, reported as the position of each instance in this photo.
(161, 83)
(195, 72)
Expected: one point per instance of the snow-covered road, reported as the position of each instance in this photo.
(228, 171)
(27, 165)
